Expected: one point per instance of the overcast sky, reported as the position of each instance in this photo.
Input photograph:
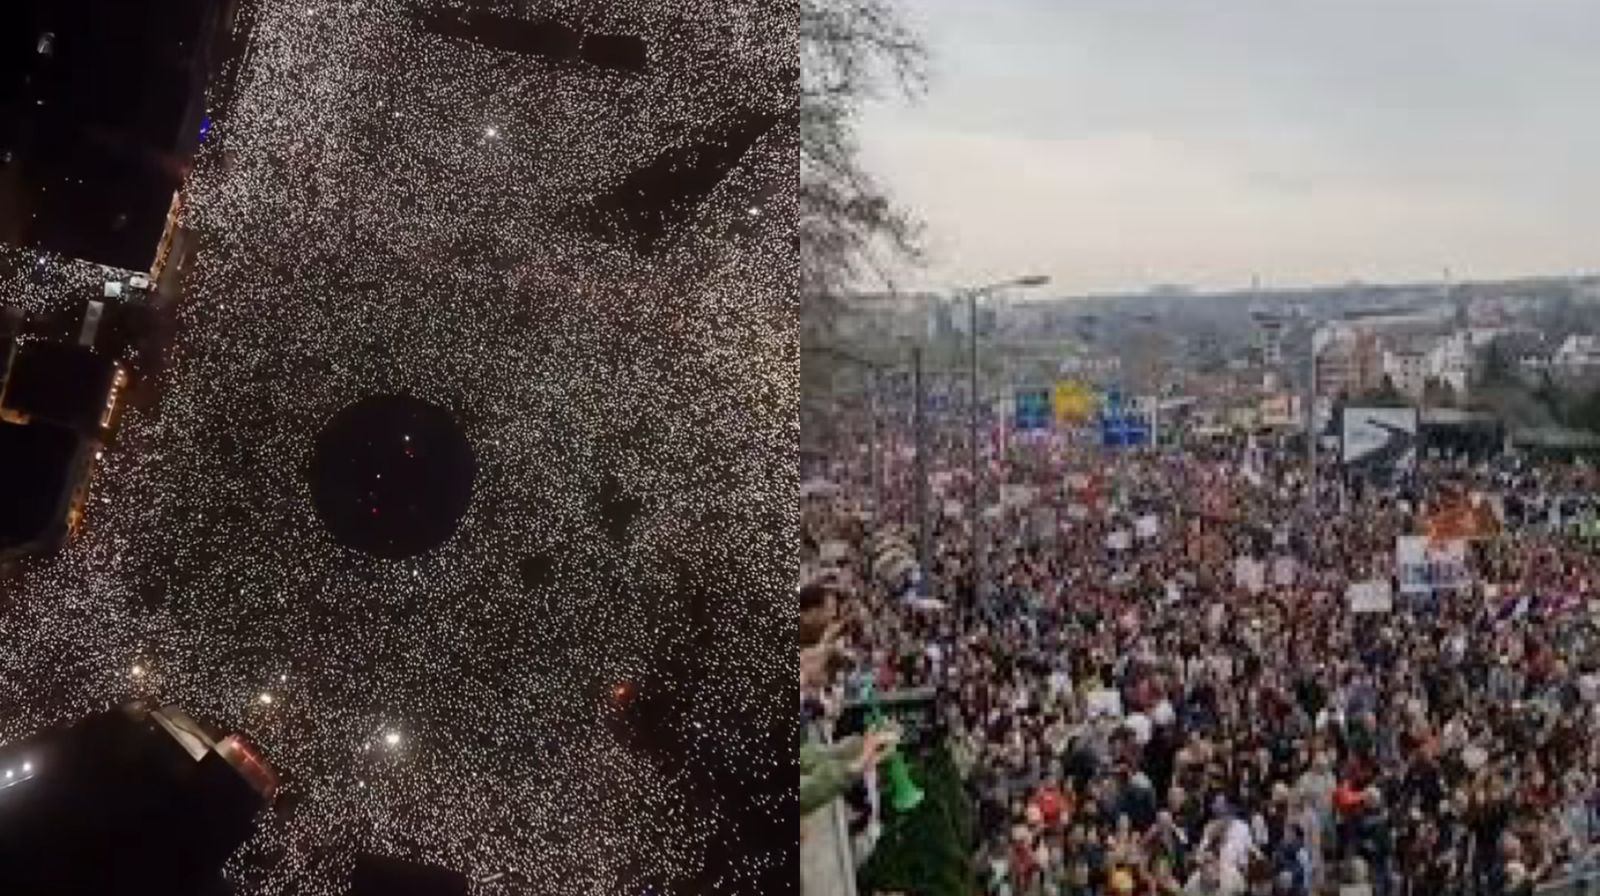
(1117, 144)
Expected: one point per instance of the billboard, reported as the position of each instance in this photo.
(1033, 410)
(1074, 402)
(1380, 438)
(1120, 425)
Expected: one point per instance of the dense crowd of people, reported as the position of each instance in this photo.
(1155, 683)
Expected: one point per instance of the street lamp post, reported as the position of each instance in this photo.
(1311, 426)
(974, 495)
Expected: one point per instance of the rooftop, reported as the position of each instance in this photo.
(99, 107)
(117, 803)
(40, 464)
(66, 385)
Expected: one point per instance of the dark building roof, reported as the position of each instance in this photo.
(59, 383)
(384, 876)
(40, 465)
(100, 108)
(127, 801)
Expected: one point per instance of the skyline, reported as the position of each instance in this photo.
(1314, 146)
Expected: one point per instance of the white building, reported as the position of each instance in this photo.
(1450, 360)
(1578, 352)
(1408, 369)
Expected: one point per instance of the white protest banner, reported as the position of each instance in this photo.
(1370, 597)
(1078, 511)
(1103, 703)
(1216, 616)
(1120, 540)
(834, 552)
(1425, 566)
(1016, 495)
(1283, 572)
(1249, 574)
(1147, 526)
(953, 509)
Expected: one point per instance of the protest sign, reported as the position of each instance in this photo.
(1120, 540)
(1104, 702)
(1283, 572)
(1147, 526)
(1249, 574)
(1370, 597)
(1425, 566)
(1016, 495)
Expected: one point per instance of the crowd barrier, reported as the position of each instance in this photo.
(827, 861)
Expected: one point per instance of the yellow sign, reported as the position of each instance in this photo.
(1074, 402)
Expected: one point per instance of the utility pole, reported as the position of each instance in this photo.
(1311, 426)
(920, 437)
(875, 448)
(973, 502)
(974, 493)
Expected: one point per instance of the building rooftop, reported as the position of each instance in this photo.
(41, 465)
(99, 116)
(383, 876)
(67, 385)
(117, 804)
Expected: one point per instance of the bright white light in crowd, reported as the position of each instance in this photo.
(10, 773)
(491, 131)
(284, 677)
(137, 670)
(27, 767)
(265, 697)
(392, 738)
(754, 210)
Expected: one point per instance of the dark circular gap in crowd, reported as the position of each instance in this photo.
(392, 475)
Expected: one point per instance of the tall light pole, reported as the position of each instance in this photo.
(1311, 421)
(919, 433)
(974, 496)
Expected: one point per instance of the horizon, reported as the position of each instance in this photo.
(1266, 290)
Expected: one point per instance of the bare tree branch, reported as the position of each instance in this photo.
(851, 51)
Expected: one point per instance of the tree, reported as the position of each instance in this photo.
(1551, 396)
(1499, 369)
(850, 50)
(1387, 395)
(1585, 413)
